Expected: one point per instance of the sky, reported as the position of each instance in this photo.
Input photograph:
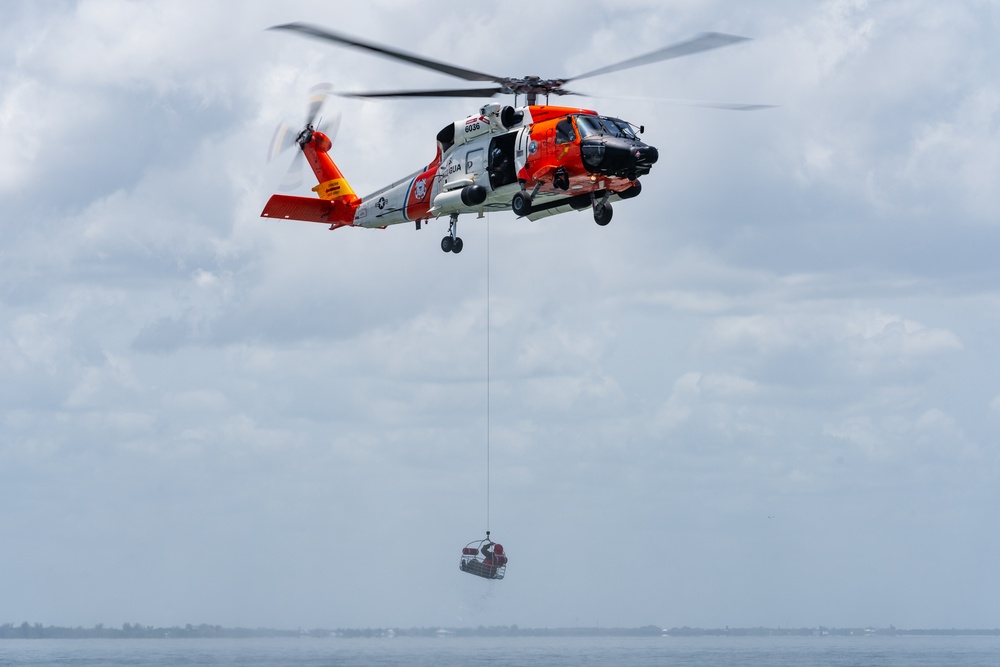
(764, 395)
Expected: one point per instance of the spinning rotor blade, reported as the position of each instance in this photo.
(529, 86)
(726, 106)
(317, 97)
(330, 127)
(702, 104)
(330, 36)
(286, 136)
(703, 42)
(458, 92)
(281, 141)
(293, 175)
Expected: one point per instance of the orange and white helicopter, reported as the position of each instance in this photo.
(536, 160)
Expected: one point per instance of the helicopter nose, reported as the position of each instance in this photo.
(617, 157)
(645, 155)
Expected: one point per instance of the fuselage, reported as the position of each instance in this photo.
(482, 161)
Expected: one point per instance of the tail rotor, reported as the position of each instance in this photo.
(286, 136)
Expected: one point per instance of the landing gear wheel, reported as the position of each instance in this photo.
(602, 214)
(521, 204)
(452, 243)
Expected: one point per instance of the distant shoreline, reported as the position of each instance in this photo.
(204, 631)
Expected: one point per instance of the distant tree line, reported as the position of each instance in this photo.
(204, 631)
(134, 631)
(820, 631)
(139, 631)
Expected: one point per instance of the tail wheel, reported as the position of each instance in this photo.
(447, 244)
(602, 214)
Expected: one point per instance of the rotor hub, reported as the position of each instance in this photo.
(305, 136)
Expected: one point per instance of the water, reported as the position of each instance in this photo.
(877, 651)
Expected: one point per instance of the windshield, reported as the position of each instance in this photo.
(598, 125)
(589, 126)
(623, 128)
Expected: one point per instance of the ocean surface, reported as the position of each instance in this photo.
(881, 651)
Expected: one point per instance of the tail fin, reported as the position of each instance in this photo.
(337, 201)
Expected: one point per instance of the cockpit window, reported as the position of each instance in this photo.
(622, 128)
(564, 131)
(598, 125)
(589, 126)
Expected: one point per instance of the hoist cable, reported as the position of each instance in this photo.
(487, 374)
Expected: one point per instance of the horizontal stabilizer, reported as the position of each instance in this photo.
(307, 209)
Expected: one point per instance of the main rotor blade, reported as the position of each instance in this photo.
(677, 101)
(330, 36)
(703, 42)
(457, 92)
(725, 106)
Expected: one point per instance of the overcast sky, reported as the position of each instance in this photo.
(765, 394)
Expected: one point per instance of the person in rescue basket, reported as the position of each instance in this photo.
(493, 559)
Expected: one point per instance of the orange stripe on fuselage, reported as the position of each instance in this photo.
(418, 199)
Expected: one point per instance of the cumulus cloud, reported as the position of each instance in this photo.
(792, 320)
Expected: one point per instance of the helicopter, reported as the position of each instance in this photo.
(535, 160)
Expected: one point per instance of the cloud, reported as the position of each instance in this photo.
(793, 320)
(959, 155)
(849, 343)
(880, 336)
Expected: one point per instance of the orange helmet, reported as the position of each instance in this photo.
(498, 548)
